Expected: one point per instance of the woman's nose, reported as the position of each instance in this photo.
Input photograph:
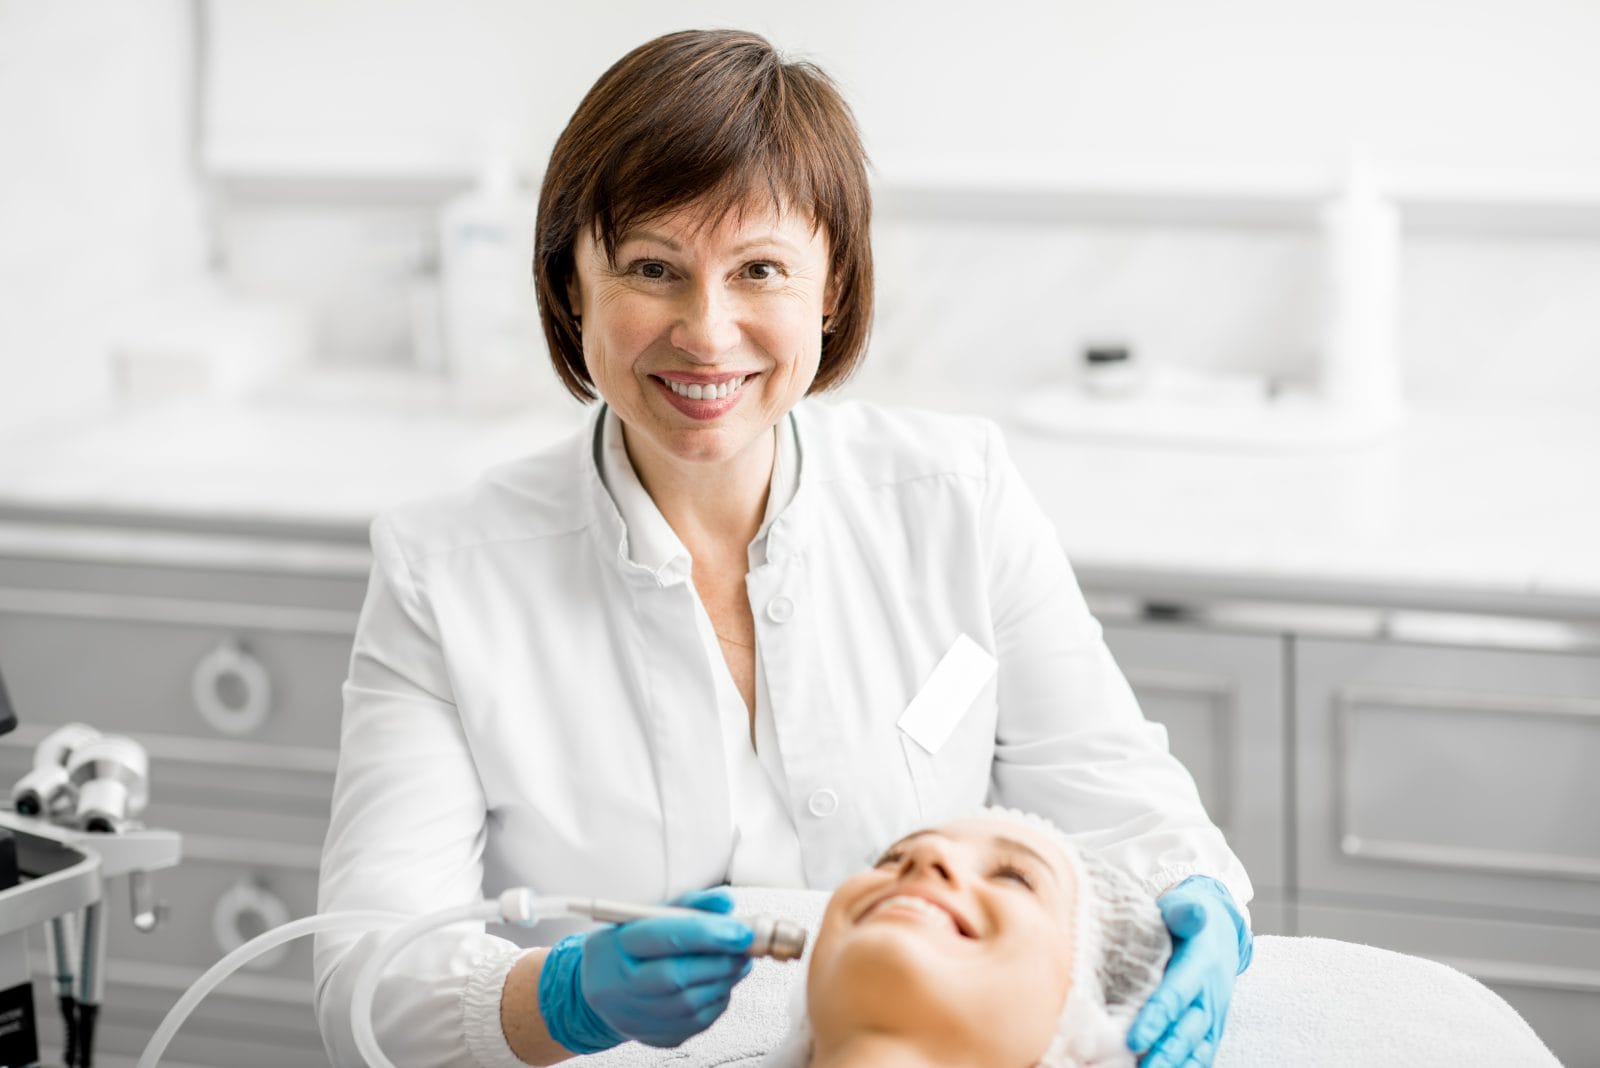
(931, 858)
(707, 327)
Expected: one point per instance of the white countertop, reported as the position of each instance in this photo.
(1488, 511)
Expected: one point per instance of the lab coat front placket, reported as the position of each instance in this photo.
(681, 713)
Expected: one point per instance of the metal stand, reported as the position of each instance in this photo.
(65, 870)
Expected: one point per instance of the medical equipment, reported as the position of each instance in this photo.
(112, 777)
(66, 869)
(777, 938)
(774, 938)
(46, 790)
(74, 827)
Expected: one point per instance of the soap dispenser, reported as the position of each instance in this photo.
(1359, 372)
(493, 346)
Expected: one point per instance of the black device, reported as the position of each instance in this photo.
(8, 717)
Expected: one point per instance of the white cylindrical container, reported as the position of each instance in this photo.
(494, 351)
(1359, 369)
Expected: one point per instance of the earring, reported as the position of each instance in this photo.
(577, 323)
(827, 327)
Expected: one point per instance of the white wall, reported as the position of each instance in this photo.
(96, 201)
(97, 204)
(1258, 85)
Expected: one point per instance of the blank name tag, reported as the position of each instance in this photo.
(936, 709)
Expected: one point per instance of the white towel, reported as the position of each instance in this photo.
(1308, 1002)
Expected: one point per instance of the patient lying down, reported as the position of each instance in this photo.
(988, 941)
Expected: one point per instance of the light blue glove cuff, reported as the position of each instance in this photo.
(567, 1016)
(1214, 887)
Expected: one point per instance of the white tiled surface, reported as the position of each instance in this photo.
(1466, 502)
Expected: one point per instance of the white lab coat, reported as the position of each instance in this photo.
(526, 706)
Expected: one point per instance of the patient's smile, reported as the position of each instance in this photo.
(920, 907)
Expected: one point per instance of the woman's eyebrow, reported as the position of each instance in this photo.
(651, 236)
(1028, 851)
(661, 239)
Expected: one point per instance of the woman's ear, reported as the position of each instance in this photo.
(574, 294)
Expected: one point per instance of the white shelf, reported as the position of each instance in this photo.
(1013, 190)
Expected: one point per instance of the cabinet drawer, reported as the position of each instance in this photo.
(1449, 775)
(215, 906)
(1220, 697)
(207, 670)
(1549, 974)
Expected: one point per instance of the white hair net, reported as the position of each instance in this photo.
(1121, 946)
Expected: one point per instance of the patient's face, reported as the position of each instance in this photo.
(961, 935)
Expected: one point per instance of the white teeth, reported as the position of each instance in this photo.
(708, 392)
(917, 904)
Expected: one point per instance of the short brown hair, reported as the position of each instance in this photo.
(715, 116)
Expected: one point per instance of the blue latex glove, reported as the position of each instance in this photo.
(661, 980)
(1181, 1025)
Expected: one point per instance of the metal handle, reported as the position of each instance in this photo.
(241, 902)
(230, 665)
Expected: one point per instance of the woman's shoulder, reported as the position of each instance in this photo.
(538, 495)
(889, 443)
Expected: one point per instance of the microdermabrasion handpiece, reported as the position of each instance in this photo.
(775, 938)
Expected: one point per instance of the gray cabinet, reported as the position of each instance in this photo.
(224, 657)
(1221, 698)
(1448, 806)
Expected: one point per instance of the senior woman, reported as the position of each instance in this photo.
(722, 635)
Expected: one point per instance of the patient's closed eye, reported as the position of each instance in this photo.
(1007, 871)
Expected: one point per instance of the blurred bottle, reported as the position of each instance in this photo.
(493, 351)
(1359, 369)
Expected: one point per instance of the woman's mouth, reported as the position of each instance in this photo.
(703, 399)
(922, 909)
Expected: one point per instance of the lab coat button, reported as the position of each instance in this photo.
(780, 609)
(823, 803)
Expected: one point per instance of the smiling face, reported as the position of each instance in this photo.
(953, 929)
(703, 332)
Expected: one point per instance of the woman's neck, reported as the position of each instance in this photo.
(884, 1051)
(718, 504)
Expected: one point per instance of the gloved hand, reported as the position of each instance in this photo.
(1181, 1025)
(659, 980)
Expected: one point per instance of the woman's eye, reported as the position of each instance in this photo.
(763, 271)
(652, 270)
(1006, 871)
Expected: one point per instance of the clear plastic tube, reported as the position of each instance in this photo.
(518, 905)
(213, 977)
(367, 982)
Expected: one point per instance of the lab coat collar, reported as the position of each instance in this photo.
(646, 544)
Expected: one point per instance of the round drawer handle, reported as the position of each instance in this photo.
(232, 690)
(245, 910)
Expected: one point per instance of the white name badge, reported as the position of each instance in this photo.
(936, 709)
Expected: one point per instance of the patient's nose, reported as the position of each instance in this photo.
(931, 856)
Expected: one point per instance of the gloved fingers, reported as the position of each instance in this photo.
(1203, 1055)
(677, 936)
(678, 1030)
(665, 976)
(1178, 1044)
(696, 999)
(716, 899)
(1184, 916)
(1180, 988)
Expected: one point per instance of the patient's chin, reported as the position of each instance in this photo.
(912, 980)
(893, 977)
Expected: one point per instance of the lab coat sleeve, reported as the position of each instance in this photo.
(1071, 743)
(407, 835)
